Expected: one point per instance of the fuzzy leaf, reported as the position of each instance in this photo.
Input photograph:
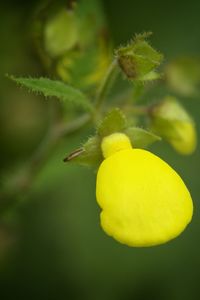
(141, 138)
(55, 88)
(114, 121)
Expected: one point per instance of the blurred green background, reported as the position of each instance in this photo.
(54, 247)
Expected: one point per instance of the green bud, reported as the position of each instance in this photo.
(171, 121)
(183, 76)
(60, 33)
(138, 60)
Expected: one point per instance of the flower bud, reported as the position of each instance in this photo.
(138, 60)
(60, 32)
(171, 121)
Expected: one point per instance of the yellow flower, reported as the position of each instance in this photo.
(144, 202)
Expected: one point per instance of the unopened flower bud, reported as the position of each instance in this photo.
(138, 60)
(170, 120)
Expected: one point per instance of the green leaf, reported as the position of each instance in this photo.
(54, 88)
(89, 155)
(141, 138)
(114, 121)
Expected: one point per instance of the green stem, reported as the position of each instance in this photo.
(21, 181)
(106, 84)
(139, 110)
(138, 89)
(137, 92)
(74, 125)
(55, 134)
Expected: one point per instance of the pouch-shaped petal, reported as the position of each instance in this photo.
(144, 201)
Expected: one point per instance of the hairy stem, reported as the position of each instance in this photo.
(139, 110)
(106, 84)
(55, 134)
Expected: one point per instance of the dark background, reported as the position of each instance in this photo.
(56, 248)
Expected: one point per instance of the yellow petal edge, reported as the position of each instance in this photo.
(144, 201)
